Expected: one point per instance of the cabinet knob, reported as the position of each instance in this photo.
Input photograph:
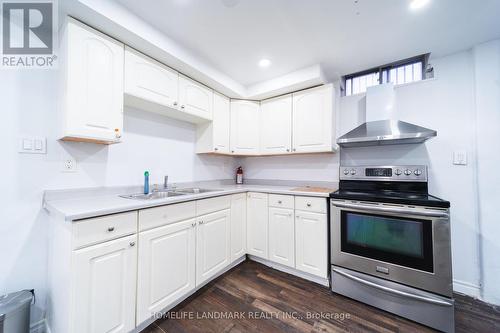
(193, 224)
(175, 103)
(201, 222)
(287, 150)
(182, 106)
(232, 151)
(280, 202)
(110, 229)
(308, 205)
(132, 243)
(216, 148)
(294, 149)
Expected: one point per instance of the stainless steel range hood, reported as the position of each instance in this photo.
(385, 132)
(382, 125)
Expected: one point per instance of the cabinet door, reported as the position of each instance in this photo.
(195, 98)
(238, 226)
(94, 85)
(150, 80)
(166, 266)
(104, 289)
(212, 245)
(257, 225)
(311, 243)
(221, 124)
(245, 127)
(282, 236)
(276, 125)
(313, 120)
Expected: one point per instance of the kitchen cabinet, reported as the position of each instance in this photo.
(238, 226)
(166, 266)
(313, 121)
(149, 84)
(195, 99)
(311, 243)
(213, 137)
(282, 236)
(245, 127)
(92, 78)
(276, 125)
(257, 224)
(104, 290)
(212, 244)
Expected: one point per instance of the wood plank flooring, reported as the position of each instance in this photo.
(255, 298)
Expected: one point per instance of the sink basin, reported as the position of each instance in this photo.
(153, 195)
(194, 190)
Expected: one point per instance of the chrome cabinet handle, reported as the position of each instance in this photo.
(391, 210)
(392, 291)
(132, 243)
(110, 229)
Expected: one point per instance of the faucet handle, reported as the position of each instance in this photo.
(165, 182)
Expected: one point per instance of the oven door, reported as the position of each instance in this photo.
(405, 244)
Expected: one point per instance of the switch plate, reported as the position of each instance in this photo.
(460, 157)
(33, 145)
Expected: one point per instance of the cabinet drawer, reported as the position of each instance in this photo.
(158, 216)
(100, 229)
(281, 201)
(310, 204)
(211, 205)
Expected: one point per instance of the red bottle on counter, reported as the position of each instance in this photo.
(239, 175)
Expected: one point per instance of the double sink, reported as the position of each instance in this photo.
(167, 193)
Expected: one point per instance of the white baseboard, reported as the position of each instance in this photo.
(466, 288)
(149, 321)
(292, 271)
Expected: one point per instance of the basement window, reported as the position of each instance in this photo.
(399, 72)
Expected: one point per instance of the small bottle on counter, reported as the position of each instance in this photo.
(239, 175)
(146, 182)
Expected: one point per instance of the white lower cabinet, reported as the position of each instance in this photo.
(257, 225)
(212, 244)
(104, 287)
(282, 236)
(311, 243)
(238, 226)
(166, 266)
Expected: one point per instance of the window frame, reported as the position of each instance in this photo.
(423, 59)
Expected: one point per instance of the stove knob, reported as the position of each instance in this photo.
(398, 172)
(417, 172)
(407, 172)
(353, 172)
(346, 172)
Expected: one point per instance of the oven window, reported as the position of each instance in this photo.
(406, 242)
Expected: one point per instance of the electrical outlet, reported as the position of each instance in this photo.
(460, 157)
(69, 165)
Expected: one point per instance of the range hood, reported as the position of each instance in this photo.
(382, 126)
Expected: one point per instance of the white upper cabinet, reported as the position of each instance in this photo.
(213, 137)
(92, 69)
(148, 81)
(313, 120)
(104, 287)
(276, 125)
(245, 127)
(195, 99)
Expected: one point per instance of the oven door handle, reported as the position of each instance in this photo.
(393, 291)
(391, 210)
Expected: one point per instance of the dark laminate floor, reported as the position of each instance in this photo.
(255, 298)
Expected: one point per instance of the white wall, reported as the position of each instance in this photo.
(487, 90)
(150, 142)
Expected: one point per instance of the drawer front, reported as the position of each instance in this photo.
(211, 205)
(159, 216)
(311, 204)
(101, 229)
(281, 201)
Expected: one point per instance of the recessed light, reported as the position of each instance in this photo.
(264, 63)
(417, 4)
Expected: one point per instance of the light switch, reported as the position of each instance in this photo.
(460, 157)
(33, 145)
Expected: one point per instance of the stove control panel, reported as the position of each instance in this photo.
(384, 173)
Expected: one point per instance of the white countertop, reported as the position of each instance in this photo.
(74, 206)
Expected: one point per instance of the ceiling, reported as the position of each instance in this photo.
(344, 36)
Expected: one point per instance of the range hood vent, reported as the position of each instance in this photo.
(385, 132)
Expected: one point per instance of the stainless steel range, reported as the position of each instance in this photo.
(390, 243)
